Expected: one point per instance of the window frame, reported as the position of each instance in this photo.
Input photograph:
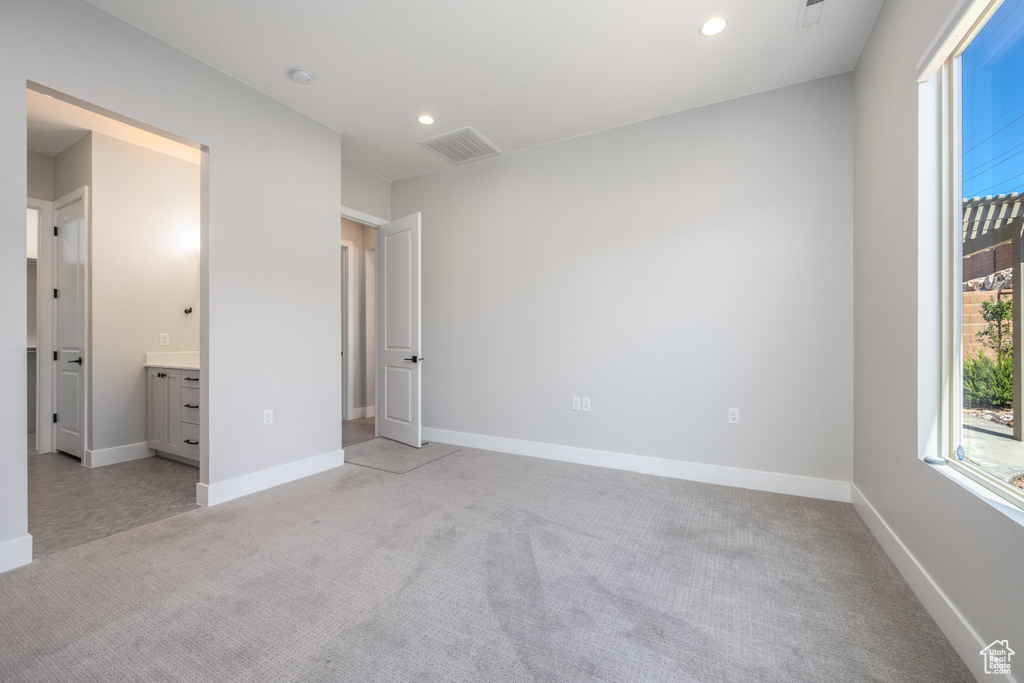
(957, 37)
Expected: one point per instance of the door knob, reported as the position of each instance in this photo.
(77, 360)
(415, 359)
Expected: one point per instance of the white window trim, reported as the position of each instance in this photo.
(939, 70)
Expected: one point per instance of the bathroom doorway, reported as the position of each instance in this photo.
(142, 293)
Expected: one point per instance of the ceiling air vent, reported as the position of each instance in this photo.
(812, 13)
(461, 145)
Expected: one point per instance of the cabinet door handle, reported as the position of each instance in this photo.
(189, 405)
(191, 379)
(191, 443)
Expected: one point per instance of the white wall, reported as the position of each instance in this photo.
(271, 289)
(145, 208)
(972, 553)
(365, 192)
(668, 270)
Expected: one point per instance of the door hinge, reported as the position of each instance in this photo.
(55, 355)
(56, 232)
(55, 418)
(56, 293)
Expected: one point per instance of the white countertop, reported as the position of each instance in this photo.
(175, 360)
(174, 366)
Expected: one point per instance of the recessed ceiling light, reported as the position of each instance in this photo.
(712, 27)
(426, 120)
(300, 76)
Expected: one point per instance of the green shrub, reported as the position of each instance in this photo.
(998, 332)
(988, 383)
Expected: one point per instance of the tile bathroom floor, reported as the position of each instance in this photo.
(69, 505)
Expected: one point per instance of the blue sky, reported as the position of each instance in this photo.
(993, 105)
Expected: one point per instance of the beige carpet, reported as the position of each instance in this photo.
(478, 567)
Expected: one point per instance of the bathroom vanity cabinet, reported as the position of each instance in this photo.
(173, 411)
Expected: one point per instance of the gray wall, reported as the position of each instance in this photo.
(973, 553)
(270, 260)
(40, 176)
(651, 268)
(145, 205)
(73, 168)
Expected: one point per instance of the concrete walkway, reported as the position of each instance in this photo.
(990, 445)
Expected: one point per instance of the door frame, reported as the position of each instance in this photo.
(44, 325)
(347, 248)
(374, 222)
(370, 329)
(204, 280)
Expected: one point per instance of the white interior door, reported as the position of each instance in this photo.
(71, 315)
(398, 331)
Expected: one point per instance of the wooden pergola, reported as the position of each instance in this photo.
(988, 222)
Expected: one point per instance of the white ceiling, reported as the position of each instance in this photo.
(55, 125)
(521, 72)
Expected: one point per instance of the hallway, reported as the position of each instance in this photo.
(357, 431)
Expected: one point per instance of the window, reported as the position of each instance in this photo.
(986, 196)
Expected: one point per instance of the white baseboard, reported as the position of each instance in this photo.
(964, 639)
(811, 487)
(370, 411)
(221, 492)
(110, 456)
(15, 552)
(357, 413)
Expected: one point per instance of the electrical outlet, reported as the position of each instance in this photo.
(575, 402)
(165, 339)
(586, 405)
(734, 416)
(268, 416)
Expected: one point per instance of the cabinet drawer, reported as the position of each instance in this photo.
(191, 378)
(190, 441)
(190, 405)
